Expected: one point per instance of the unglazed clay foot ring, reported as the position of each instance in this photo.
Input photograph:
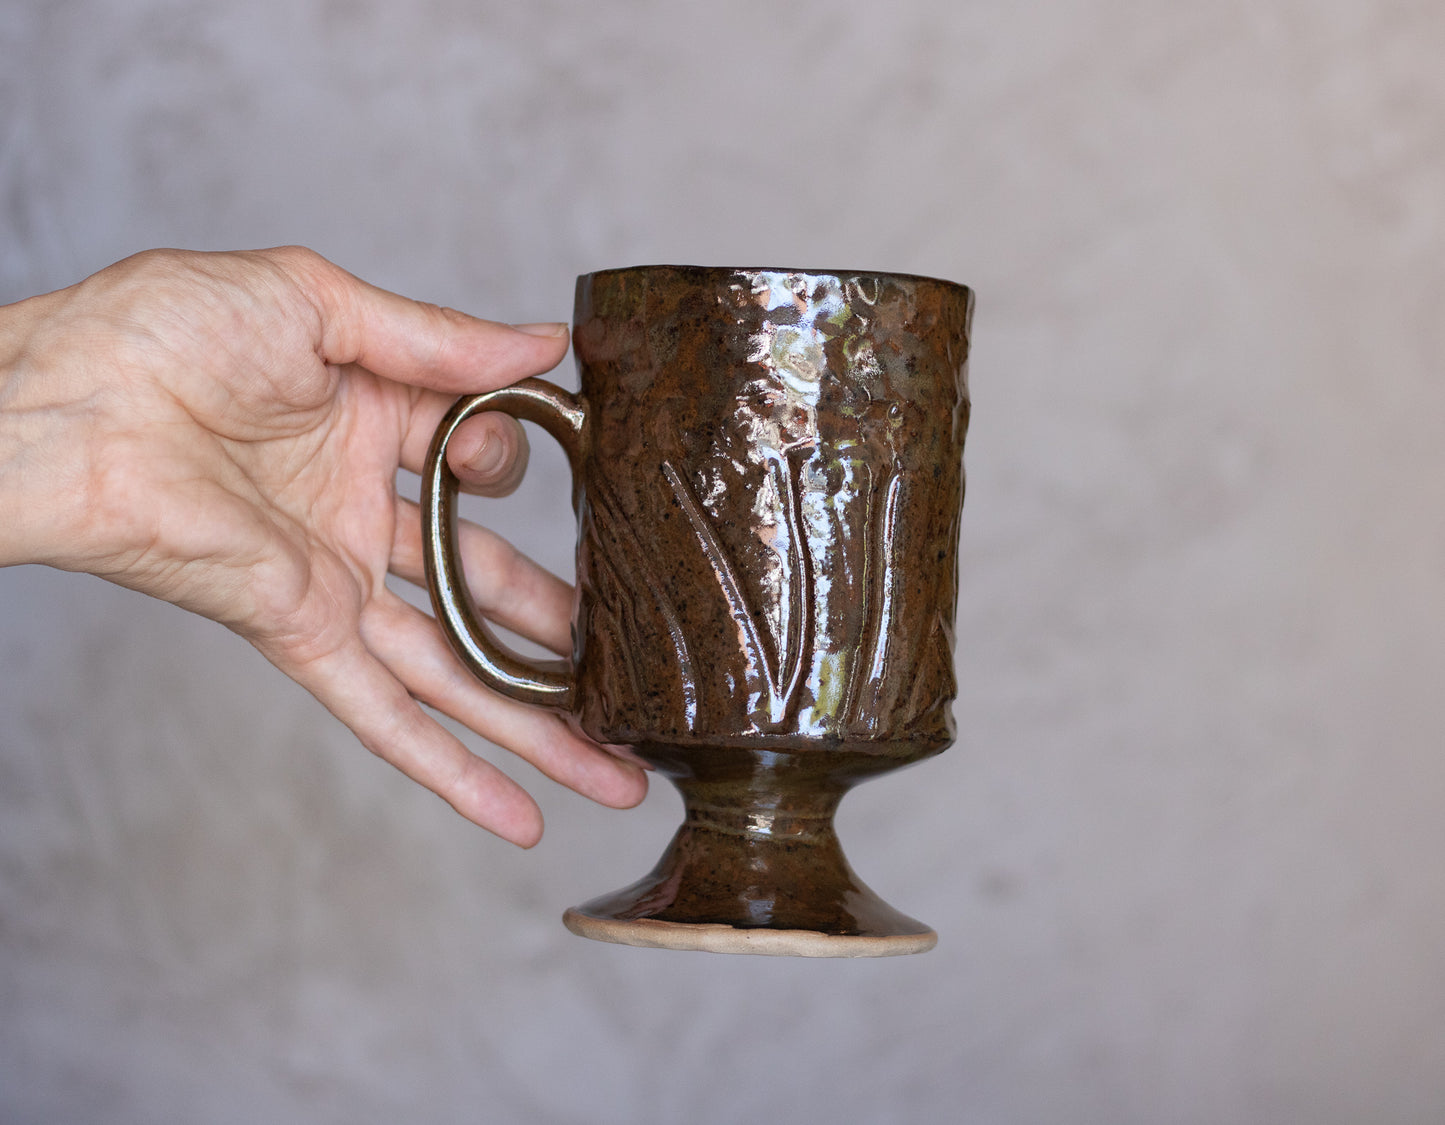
(649, 933)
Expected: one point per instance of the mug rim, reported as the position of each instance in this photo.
(720, 272)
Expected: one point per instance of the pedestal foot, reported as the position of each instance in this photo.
(756, 866)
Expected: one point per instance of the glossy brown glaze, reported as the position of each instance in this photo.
(769, 484)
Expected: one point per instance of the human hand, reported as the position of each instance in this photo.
(223, 431)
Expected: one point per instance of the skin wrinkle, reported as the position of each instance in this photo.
(307, 634)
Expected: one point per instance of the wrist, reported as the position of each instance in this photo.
(33, 441)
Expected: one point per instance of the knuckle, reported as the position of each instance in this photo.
(299, 260)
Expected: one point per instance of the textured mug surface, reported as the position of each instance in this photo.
(769, 480)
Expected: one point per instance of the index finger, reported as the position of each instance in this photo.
(415, 342)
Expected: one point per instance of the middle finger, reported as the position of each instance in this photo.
(505, 585)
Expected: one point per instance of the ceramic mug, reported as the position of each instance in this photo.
(768, 482)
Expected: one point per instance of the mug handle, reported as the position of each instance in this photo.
(548, 683)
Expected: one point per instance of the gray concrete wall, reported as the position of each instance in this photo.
(1187, 858)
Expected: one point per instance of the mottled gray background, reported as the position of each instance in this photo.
(1188, 856)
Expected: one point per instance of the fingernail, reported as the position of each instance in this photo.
(489, 459)
(551, 329)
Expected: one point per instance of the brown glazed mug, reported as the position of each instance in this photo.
(768, 485)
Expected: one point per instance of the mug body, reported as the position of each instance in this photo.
(769, 491)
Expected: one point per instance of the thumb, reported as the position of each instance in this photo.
(414, 342)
